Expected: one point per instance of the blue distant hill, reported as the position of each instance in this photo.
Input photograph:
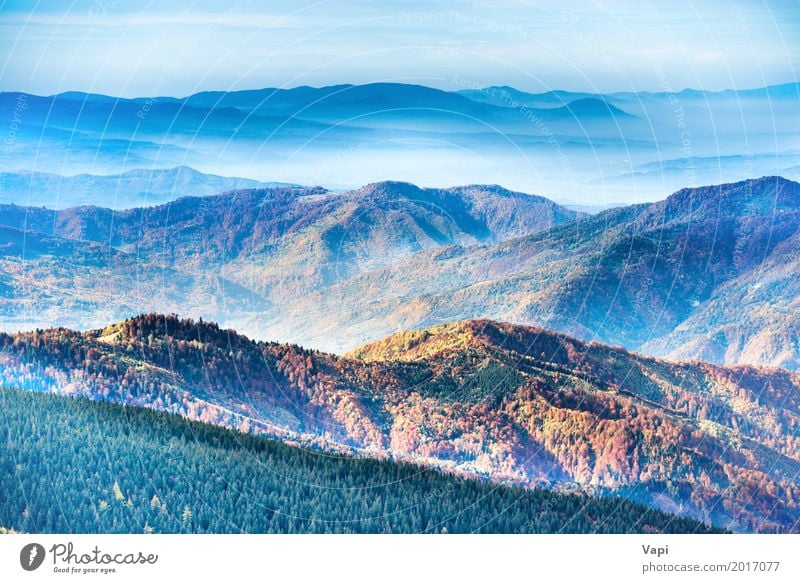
(344, 135)
(133, 188)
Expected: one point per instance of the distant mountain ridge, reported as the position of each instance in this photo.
(134, 188)
(561, 97)
(583, 145)
(305, 94)
(509, 403)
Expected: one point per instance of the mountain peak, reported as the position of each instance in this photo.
(493, 188)
(594, 107)
(160, 325)
(412, 345)
(396, 188)
(477, 334)
(393, 188)
(763, 196)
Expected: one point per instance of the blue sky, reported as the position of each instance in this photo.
(142, 48)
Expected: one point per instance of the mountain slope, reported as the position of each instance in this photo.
(284, 243)
(513, 404)
(47, 280)
(656, 268)
(753, 318)
(128, 470)
(626, 276)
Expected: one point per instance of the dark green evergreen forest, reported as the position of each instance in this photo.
(78, 466)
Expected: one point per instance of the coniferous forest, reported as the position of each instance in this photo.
(70, 465)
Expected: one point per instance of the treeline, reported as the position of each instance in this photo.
(77, 466)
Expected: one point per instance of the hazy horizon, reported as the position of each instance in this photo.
(127, 49)
(654, 141)
(449, 87)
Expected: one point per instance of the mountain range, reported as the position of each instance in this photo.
(595, 148)
(707, 273)
(511, 404)
(194, 255)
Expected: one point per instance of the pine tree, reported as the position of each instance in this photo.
(117, 492)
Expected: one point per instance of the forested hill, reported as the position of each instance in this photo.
(512, 404)
(77, 466)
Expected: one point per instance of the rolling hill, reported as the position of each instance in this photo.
(513, 404)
